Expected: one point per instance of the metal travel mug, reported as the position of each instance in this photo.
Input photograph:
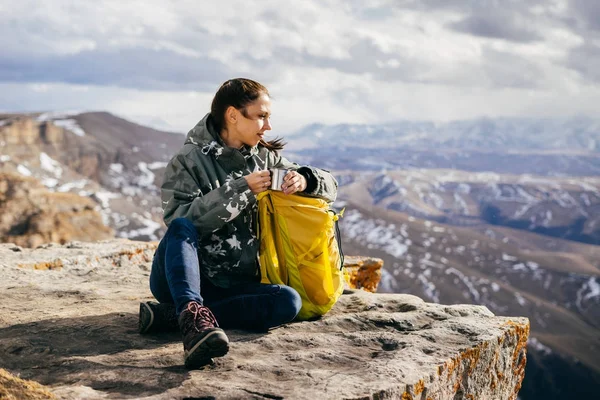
(277, 178)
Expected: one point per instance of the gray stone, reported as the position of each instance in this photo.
(73, 329)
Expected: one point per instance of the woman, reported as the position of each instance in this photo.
(207, 263)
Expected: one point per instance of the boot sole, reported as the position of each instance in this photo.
(146, 318)
(214, 344)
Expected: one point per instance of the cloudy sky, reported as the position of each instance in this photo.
(329, 61)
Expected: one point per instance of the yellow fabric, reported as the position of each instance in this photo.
(298, 248)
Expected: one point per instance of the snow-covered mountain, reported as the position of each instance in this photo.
(528, 134)
(564, 207)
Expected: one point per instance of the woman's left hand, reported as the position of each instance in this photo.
(293, 182)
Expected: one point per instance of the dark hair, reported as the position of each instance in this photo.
(238, 93)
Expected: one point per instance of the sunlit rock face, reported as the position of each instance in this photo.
(30, 215)
(115, 164)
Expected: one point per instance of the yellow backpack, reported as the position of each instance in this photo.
(299, 248)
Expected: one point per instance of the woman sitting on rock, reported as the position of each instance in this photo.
(205, 270)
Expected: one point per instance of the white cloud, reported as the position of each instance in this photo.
(324, 61)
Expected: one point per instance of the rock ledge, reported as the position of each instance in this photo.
(73, 329)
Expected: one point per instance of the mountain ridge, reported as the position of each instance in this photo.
(576, 133)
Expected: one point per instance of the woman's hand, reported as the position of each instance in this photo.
(259, 181)
(293, 182)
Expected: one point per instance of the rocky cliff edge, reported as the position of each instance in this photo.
(69, 322)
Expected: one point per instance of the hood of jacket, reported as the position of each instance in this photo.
(205, 136)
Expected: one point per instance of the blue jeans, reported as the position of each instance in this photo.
(176, 278)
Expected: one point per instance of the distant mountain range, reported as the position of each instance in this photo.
(500, 212)
(563, 207)
(525, 134)
(547, 147)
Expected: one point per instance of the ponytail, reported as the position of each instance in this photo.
(274, 145)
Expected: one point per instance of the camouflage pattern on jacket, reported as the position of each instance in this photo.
(204, 182)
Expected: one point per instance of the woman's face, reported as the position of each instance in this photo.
(251, 123)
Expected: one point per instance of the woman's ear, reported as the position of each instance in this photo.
(231, 115)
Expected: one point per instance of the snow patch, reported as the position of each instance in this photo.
(536, 344)
(589, 290)
(146, 179)
(52, 115)
(49, 182)
(594, 289)
(519, 267)
(23, 170)
(520, 299)
(374, 234)
(80, 184)
(104, 198)
(508, 257)
(70, 125)
(465, 279)
(387, 283)
(157, 165)
(50, 165)
(118, 168)
(149, 228)
(428, 286)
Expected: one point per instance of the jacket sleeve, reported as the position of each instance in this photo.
(320, 182)
(182, 196)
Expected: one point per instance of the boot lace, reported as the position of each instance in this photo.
(200, 317)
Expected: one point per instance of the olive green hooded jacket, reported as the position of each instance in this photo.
(204, 182)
